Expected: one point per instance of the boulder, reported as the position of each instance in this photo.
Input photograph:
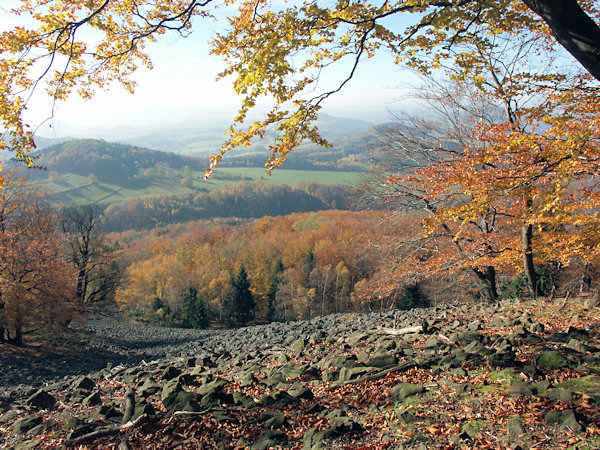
(84, 383)
(515, 427)
(404, 390)
(41, 400)
(182, 401)
(552, 360)
(24, 425)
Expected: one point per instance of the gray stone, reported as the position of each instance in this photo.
(92, 399)
(84, 383)
(405, 417)
(9, 416)
(382, 361)
(520, 388)
(170, 372)
(347, 374)
(108, 412)
(144, 408)
(269, 439)
(564, 395)
(22, 426)
(280, 398)
(149, 387)
(404, 390)
(171, 387)
(182, 401)
(298, 346)
(41, 400)
(216, 398)
(565, 419)
(243, 400)
(274, 420)
(515, 427)
(338, 362)
(81, 430)
(302, 393)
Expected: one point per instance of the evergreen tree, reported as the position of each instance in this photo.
(242, 301)
(275, 279)
(194, 310)
(309, 264)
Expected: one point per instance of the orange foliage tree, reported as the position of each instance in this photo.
(509, 173)
(36, 283)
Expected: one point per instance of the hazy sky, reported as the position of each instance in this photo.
(182, 87)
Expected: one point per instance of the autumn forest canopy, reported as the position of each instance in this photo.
(489, 190)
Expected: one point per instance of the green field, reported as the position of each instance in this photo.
(70, 188)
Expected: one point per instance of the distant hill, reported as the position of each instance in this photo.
(202, 138)
(109, 161)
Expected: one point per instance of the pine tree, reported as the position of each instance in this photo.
(194, 310)
(242, 301)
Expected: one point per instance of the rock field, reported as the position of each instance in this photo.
(511, 375)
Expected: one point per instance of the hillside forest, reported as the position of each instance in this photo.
(490, 190)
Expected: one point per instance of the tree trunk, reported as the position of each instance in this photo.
(528, 266)
(488, 279)
(573, 29)
(17, 339)
(586, 279)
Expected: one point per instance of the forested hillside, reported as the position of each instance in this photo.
(245, 199)
(297, 266)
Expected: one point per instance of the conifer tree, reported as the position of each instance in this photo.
(194, 309)
(242, 301)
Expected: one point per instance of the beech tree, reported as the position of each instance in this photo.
(35, 288)
(278, 52)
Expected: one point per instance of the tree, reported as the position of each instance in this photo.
(506, 166)
(242, 301)
(35, 288)
(194, 310)
(279, 52)
(97, 276)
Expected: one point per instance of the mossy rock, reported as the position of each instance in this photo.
(182, 401)
(585, 385)
(474, 427)
(552, 360)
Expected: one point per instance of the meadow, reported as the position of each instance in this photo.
(71, 188)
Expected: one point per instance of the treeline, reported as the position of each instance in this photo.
(274, 268)
(249, 199)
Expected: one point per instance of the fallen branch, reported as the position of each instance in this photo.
(561, 307)
(376, 376)
(109, 431)
(401, 331)
(444, 339)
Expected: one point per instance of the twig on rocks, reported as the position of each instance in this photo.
(109, 431)
(376, 376)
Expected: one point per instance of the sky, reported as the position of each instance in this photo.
(183, 87)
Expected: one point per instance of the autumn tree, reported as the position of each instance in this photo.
(502, 168)
(35, 289)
